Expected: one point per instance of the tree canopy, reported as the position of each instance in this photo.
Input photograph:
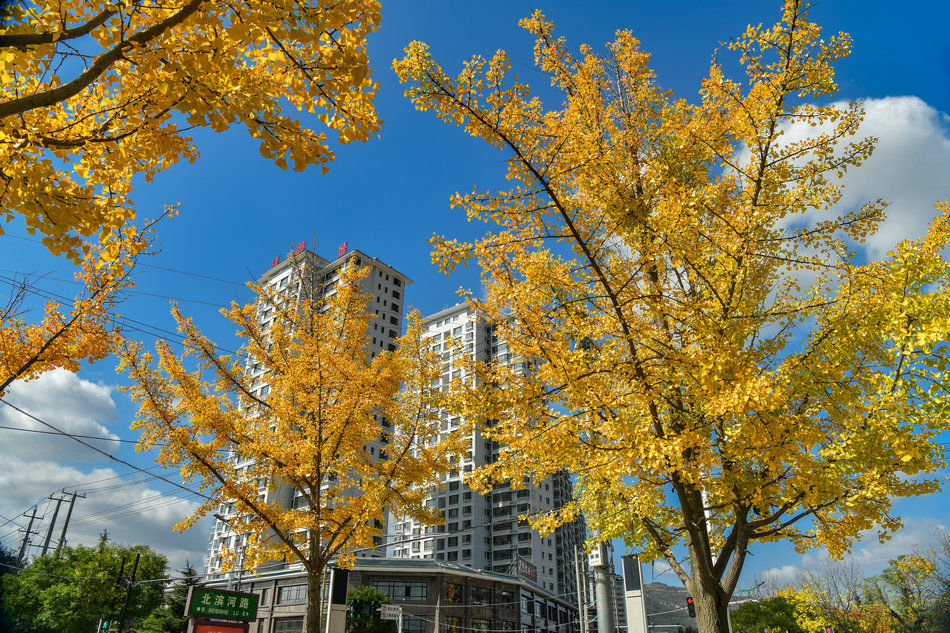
(95, 98)
(311, 433)
(71, 592)
(713, 356)
(93, 95)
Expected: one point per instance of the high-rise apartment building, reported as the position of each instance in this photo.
(285, 277)
(483, 531)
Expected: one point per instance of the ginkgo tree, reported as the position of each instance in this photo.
(94, 94)
(82, 328)
(716, 366)
(96, 97)
(312, 435)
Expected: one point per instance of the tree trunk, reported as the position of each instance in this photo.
(711, 612)
(314, 602)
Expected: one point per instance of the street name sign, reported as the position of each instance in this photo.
(220, 604)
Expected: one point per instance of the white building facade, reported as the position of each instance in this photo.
(303, 271)
(483, 531)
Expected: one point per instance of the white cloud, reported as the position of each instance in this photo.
(868, 554)
(133, 511)
(908, 169)
(35, 466)
(780, 576)
(67, 402)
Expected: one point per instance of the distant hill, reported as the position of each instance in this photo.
(670, 603)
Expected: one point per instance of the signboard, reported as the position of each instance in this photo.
(526, 570)
(220, 604)
(390, 612)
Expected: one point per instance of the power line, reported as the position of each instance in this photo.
(145, 328)
(88, 437)
(165, 268)
(134, 292)
(102, 452)
(13, 521)
(127, 508)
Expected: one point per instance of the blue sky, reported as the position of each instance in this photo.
(388, 196)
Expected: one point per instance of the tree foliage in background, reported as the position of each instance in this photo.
(910, 592)
(69, 594)
(8, 566)
(368, 620)
(769, 615)
(712, 358)
(170, 617)
(328, 401)
(910, 595)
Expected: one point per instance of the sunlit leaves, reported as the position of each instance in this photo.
(715, 367)
(312, 433)
(93, 97)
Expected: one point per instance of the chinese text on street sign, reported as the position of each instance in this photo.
(222, 605)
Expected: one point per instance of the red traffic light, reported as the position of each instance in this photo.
(689, 599)
(690, 609)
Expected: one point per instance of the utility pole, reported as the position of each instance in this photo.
(581, 590)
(604, 595)
(128, 594)
(26, 538)
(49, 532)
(69, 513)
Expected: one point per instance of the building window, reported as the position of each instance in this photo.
(481, 595)
(480, 625)
(294, 594)
(288, 625)
(400, 590)
(454, 592)
(413, 624)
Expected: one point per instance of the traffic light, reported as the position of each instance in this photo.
(105, 627)
(355, 612)
(690, 607)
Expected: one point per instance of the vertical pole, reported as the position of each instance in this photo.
(581, 592)
(49, 532)
(62, 535)
(118, 581)
(604, 598)
(128, 594)
(26, 538)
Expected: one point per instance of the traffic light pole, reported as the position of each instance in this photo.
(128, 593)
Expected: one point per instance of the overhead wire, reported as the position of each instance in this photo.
(165, 268)
(139, 326)
(129, 291)
(87, 437)
(102, 452)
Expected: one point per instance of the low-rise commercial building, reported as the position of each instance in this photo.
(435, 596)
